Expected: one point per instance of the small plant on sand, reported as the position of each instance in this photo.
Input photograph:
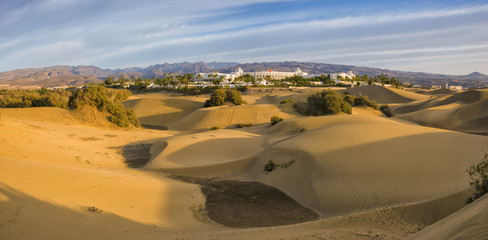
(386, 110)
(242, 125)
(287, 164)
(214, 128)
(94, 209)
(270, 166)
(303, 129)
(275, 120)
(288, 100)
(478, 174)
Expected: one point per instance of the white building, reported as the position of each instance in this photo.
(228, 78)
(274, 74)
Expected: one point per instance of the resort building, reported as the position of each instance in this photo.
(270, 74)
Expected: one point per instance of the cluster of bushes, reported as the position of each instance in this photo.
(325, 102)
(220, 96)
(34, 98)
(360, 101)
(106, 100)
(331, 102)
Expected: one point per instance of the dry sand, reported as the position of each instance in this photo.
(363, 175)
(464, 111)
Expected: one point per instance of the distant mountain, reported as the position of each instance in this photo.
(57, 76)
(426, 79)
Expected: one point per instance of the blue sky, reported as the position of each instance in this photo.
(435, 36)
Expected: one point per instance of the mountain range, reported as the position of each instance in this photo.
(59, 76)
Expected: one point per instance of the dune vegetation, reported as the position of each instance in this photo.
(104, 99)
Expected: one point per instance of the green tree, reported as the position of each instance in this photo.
(109, 81)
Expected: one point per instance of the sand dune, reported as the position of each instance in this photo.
(386, 95)
(471, 222)
(227, 116)
(364, 175)
(159, 110)
(465, 111)
(368, 164)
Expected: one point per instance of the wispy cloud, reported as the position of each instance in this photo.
(124, 33)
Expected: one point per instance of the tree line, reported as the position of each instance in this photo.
(169, 80)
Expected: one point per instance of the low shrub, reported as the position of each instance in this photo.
(349, 98)
(270, 166)
(214, 128)
(94, 209)
(386, 110)
(242, 125)
(364, 101)
(285, 101)
(275, 120)
(478, 174)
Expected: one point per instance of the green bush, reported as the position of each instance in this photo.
(219, 97)
(364, 101)
(275, 120)
(325, 102)
(479, 178)
(361, 101)
(234, 97)
(285, 101)
(242, 125)
(386, 110)
(349, 99)
(270, 166)
(214, 128)
(106, 100)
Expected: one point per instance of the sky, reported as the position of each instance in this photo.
(434, 36)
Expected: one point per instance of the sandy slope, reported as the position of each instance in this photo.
(471, 222)
(386, 95)
(465, 111)
(367, 176)
(162, 109)
(227, 116)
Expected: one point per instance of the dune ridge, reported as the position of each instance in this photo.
(463, 111)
